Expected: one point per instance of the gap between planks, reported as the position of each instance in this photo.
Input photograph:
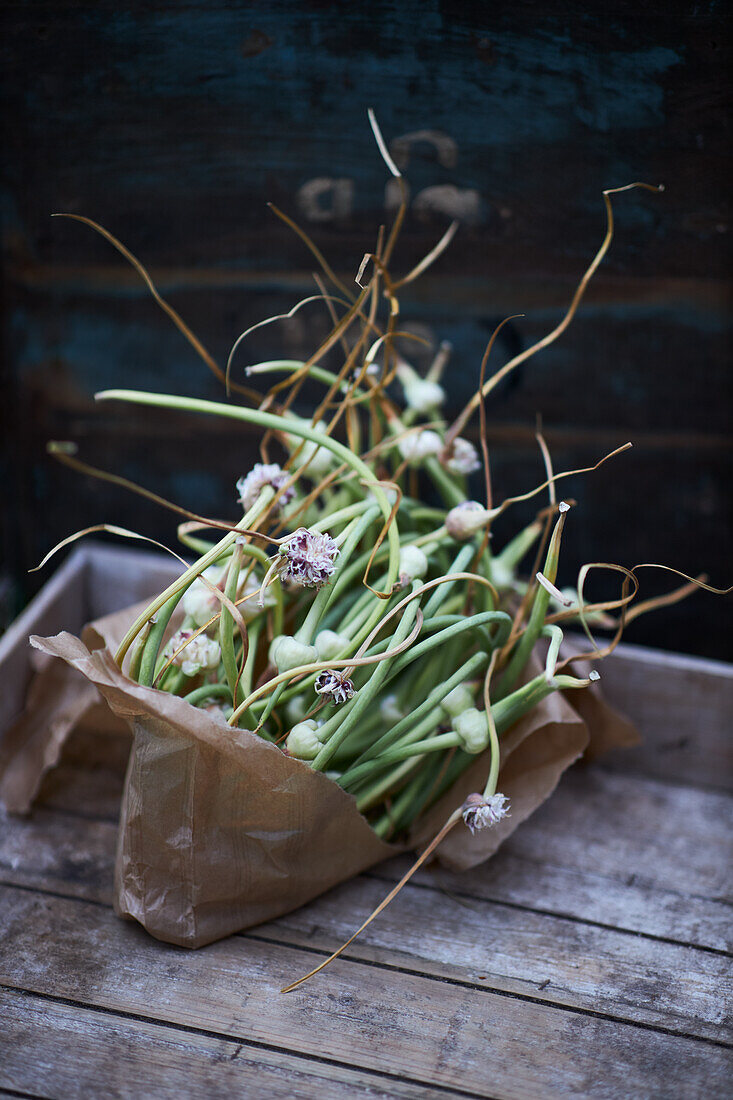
(209, 1059)
(571, 859)
(438, 1033)
(381, 955)
(625, 970)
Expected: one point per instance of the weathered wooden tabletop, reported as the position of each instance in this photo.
(587, 959)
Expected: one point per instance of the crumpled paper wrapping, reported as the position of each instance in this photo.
(219, 830)
(534, 754)
(58, 699)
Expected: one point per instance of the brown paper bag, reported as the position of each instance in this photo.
(220, 830)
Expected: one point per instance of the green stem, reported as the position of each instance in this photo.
(186, 579)
(451, 493)
(248, 670)
(471, 668)
(533, 629)
(338, 727)
(376, 791)
(270, 421)
(460, 564)
(208, 691)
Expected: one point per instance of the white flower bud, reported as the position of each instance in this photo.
(421, 394)
(413, 563)
(463, 458)
(296, 709)
(472, 729)
(199, 654)
(198, 601)
(389, 710)
(458, 700)
(303, 740)
(330, 645)
(420, 445)
(463, 521)
(319, 459)
(286, 653)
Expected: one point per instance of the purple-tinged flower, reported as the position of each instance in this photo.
(260, 476)
(309, 558)
(333, 683)
(481, 813)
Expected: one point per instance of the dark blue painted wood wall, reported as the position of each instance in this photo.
(174, 123)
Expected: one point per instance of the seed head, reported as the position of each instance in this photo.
(481, 813)
(336, 685)
(261, 475)
(309, 558)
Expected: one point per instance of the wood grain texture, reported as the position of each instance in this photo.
(603, 951)
(590, 957)
(683, 708)
(573, 859)
(427, 1030)
(45, 1041)
(174, 125)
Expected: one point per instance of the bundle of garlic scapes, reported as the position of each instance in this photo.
(356, 615)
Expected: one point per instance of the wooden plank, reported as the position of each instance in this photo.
(683, 707)
(604, 848)
(66, 1051)
(465, 936)
(59, 852)
(661, 834)
(590, 127)
(558, 962)
(437, 1032)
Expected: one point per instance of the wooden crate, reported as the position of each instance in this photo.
(588, 958)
